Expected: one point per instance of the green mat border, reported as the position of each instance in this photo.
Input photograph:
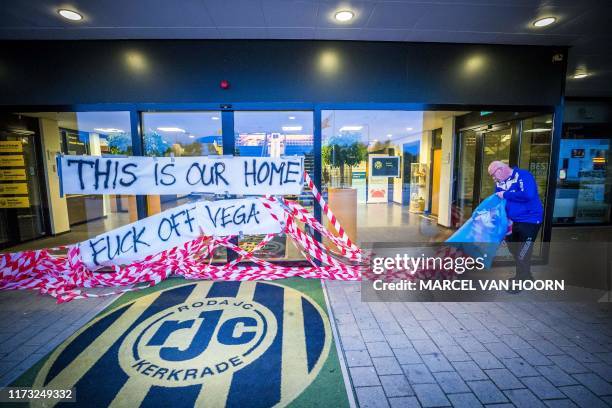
(327, 387)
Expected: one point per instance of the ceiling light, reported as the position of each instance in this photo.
(344, 16)
(389, 135)
(109, 130)
(171, 129)
(580, 75)
(291, 128)
(536, 130)
(409, 129)
(191, 136)
(291, 117)
(549, 121)
(70, 15)
(350, 128)
(215, 118)
(543, 22)
(375, 140)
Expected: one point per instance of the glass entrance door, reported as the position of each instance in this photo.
(21, 195)
(495, 146)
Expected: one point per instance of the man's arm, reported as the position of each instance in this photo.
(527, 189)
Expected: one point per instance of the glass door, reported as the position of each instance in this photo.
(22, 215)
(276, 134)
(495, 146)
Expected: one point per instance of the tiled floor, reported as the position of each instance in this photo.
(472, 354)
(32, 325)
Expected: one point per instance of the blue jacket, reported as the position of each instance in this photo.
(522, 200)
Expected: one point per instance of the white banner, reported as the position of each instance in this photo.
(178, 225)
(181, 175)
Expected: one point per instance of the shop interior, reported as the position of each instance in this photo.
(390, 175)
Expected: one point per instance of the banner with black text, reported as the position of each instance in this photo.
(181, 175)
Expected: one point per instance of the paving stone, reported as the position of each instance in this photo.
(364, 376)
(451, 382)
(523, 398)
(519, 367)
(431, 395)
(407, 355)
(398, 340)
(466, 400)
(379, 349)
(486, 360)
(569, 365)
(470, 344)
(371, 397)
(396, 386)
(504, 379)
(391, 328)
(602, 369)
(546, 347)
(372, 335)
(560, 403)
(515, 342)
(487, 392)
(386, 365)
(501, 350)
(556, 376)
(443, 339)
(484, 336)
(437, 362)
(542, 388)
(594, 383)
(455, 353)
(425, 346)
(469, 371)
(534, 357)
(404, 402)
(418, 374)
(582, 396)
(352, 343)
(580, 354)
(358, 358)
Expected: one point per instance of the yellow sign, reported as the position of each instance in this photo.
(13, 188)
(12, 174)
(13, 160)
(11, 146)
(14, 202)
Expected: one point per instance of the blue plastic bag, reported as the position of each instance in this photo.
(482, 234)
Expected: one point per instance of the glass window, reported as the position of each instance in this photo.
(276, 134)
(74, 217)
(465, 177)
(180, 134)
(382, 171)
(584, 180)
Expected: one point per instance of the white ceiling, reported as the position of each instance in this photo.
(582, 24)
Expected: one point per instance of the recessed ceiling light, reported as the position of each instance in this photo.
(580, 75)
(171, 129)
(543, 22)
(537, 130)
(375, 140)
(109, 130)
(350, 128)
(291, 117)
(70, 15)
(389, 135)
(191, 136)
(291, 128)
(409, 129)
(215, 118)
(344, 16)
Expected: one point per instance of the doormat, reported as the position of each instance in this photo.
(238, 344)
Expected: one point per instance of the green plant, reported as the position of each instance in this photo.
(343, 150)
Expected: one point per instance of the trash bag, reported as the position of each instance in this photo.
(482, 234)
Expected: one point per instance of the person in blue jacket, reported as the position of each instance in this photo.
(524, 209)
